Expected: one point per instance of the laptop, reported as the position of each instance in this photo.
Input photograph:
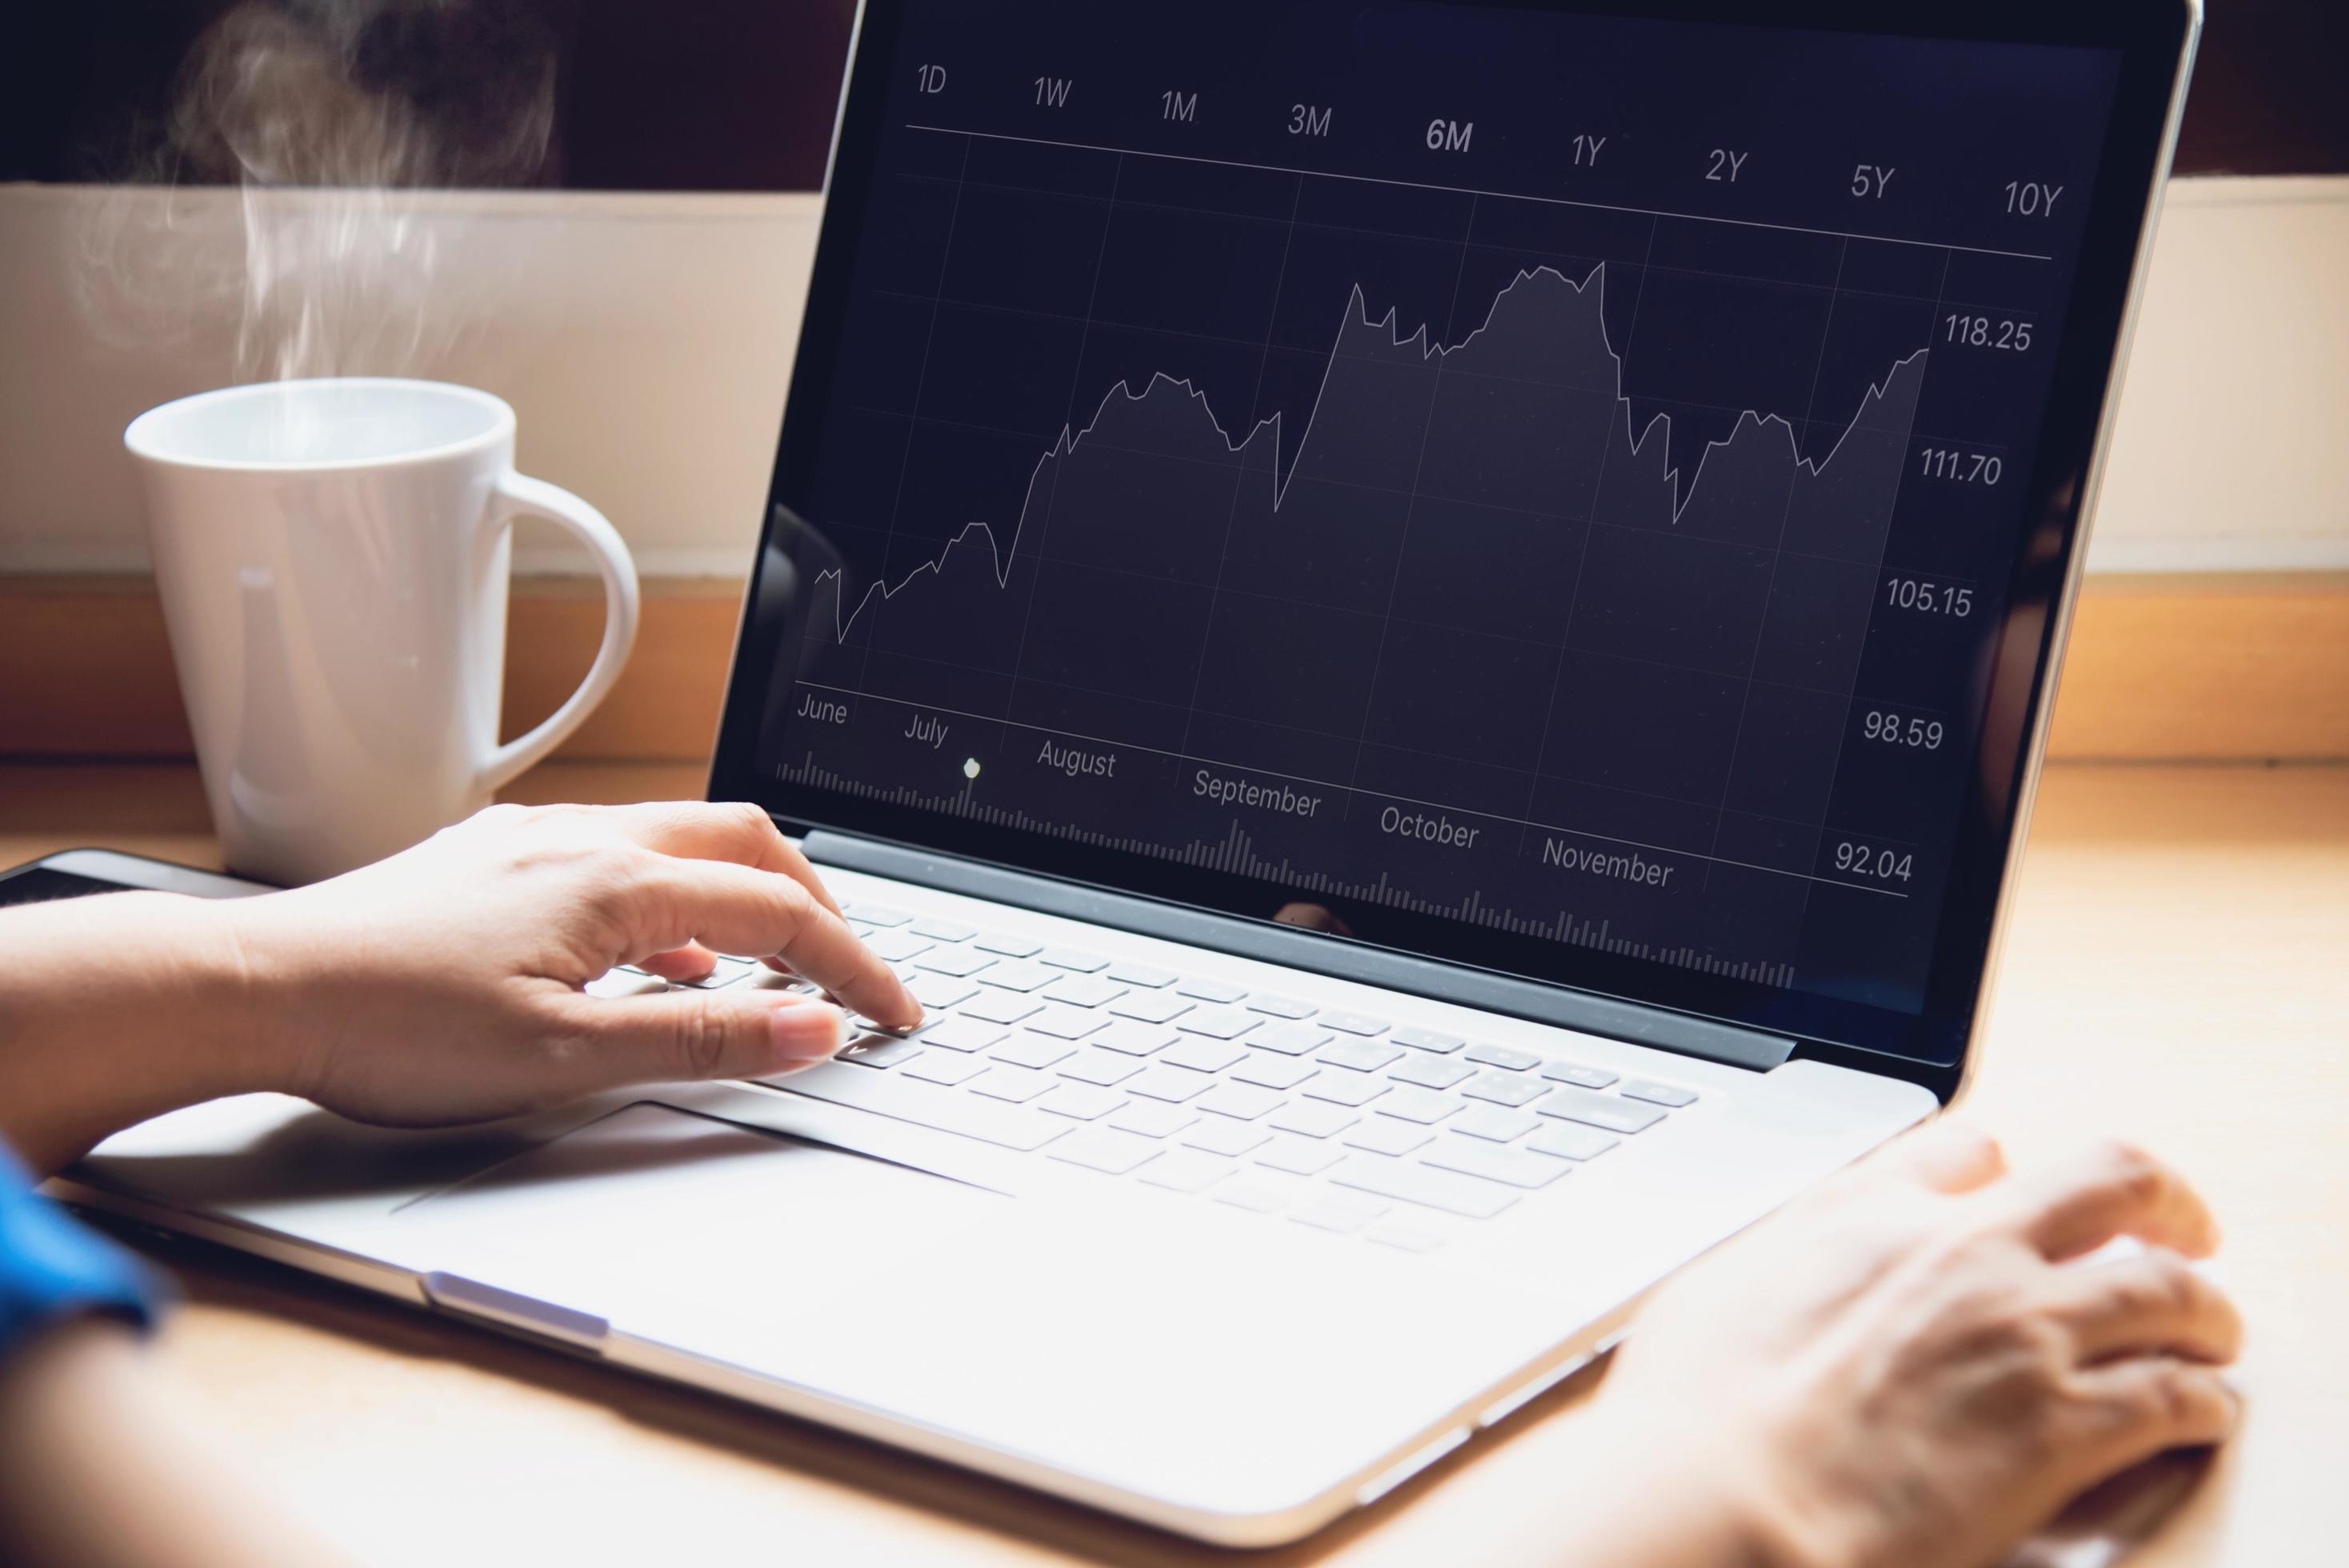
(1426, 630)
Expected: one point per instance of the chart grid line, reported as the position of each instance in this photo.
(1477, 190)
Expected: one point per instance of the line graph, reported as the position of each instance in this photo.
(1898, 387)
(1523, 418)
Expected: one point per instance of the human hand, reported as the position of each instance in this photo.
(1900, 1370)
(442, 985)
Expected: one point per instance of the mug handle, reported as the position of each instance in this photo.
(516, 496)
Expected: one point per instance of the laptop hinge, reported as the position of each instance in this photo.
(1555, 1004)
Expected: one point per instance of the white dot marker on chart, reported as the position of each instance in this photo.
(970, 767)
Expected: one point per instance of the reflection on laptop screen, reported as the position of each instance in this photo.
(1551, 474)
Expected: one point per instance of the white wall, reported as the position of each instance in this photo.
(646, 340)
(2229, 455)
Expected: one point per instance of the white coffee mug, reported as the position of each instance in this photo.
(332, 558)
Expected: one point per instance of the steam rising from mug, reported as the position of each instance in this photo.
(335, 121)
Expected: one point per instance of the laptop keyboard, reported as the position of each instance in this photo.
(1272, 1103)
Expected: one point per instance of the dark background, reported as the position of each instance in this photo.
(737, 94)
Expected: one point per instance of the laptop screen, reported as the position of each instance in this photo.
(1543, 489)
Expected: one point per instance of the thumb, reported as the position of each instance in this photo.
(680, 1035)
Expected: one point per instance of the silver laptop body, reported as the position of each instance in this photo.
(1251, 1162)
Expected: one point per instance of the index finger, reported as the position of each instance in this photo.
(736, 831)
(741, 909)
(2112, 1190)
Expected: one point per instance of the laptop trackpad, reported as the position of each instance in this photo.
(1165, 1346)
(677, 1196)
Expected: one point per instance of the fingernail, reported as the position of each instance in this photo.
(809, 1033)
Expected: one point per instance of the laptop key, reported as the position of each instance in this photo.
(1504, 1088)
(1141, 974)
(1515, 1166)
(1341, 1211)
(1016, 1085)
(1433, 1072)
(959, 962)
(1187, 1170)
(1065, 1023)
(1018, 974)
(1494, 1123)
(944, 930)
(1205, 1056)
(960, 1034)
(1085, 991)
(937, 1067)
(1470, 1197)
(1243, 1103)
(1600, 1111)
(1247, 1195)
(925, 1105)
(1659, 1093)
(1342, 1088)
(1281, 1007)
(1001, 1007)
(1355, 1023)
(1089, 1066)
(1173, 1085)
(1220, 1023)
(878, 1051)
(1361, 1056)
(1210, 990)
(1313, 1117)
(1080, 1101)
(1579, 1076)
(1432, 1040)
(1508, 1056)
(1104, 1149)
(1007, 945)
(1039, 1051)
(1133, 1039)
(1569, 1140)
(1385, 1135)
(1420, 1105)
(1233, 1139)
(896, 946)
(1289, 1039)
(1070, 958)
(937, 993)
(1152, 1007)
(1402, 1237)
(875, 913)
(1153, 1117)
(1272, 1072)
(1298, 1156)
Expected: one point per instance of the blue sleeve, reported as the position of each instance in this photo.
(51, 1267)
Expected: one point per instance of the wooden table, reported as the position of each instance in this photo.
(2178, 972)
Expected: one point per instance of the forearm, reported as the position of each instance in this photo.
(118, 1008)
(1637, 1487)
